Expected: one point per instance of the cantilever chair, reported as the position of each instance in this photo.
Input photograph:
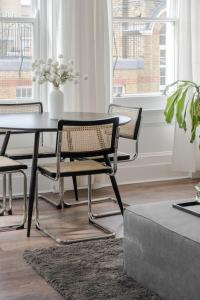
(27, 152)
(128, 131)
(7, 167)
(86, 139)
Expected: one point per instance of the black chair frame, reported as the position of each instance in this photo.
(111, 169)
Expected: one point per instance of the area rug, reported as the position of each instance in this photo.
(88, 271)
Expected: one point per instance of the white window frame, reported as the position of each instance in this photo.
(149, 101)
(34, 21)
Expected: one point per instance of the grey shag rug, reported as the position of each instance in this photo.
(88, 271)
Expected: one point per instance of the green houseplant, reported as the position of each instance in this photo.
(183, 97)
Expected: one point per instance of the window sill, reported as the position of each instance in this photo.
(149, 102)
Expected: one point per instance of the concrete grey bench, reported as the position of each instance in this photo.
(162, 250)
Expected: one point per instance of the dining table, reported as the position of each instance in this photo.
(37, 123)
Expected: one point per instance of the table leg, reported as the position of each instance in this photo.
(5, 143)
(33, 181)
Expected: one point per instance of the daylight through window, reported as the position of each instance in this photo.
(16, 48)
(143, 39)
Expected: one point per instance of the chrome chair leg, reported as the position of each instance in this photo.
(3, 208)
(21, 225)
(9, 210)
(90, 213)
(61, 204)
(107, 232)
(61, 193)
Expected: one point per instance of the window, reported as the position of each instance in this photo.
(23, 92)
(17, 25)
(143, 39)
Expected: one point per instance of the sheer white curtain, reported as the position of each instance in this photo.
(82, 32)
(186, 156)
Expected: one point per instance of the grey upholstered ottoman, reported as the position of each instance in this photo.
(162, 250)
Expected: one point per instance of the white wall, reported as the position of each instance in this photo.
(155, 152)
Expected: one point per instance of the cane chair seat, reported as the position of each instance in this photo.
(8, 164)
(27, 152)
(77, 168)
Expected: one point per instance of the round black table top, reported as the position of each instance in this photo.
(42, 122)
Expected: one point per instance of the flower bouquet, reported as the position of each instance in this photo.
(57, 73)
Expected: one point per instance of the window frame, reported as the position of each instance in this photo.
(157, 100)
(34, 21)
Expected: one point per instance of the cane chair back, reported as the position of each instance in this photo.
(17, 108)
(130, 130)
(78, 139)
(14, 108)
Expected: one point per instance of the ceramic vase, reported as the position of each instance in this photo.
(56, 103)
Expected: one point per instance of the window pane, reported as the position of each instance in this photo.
(16, 8)
(139, 53)
(18, 92)
(139, 8)
(15, 58)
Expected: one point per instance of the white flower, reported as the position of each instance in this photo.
(47, 68)
(53, 71)
(43, 68)
(63, 67)
(55, 64)
(61, 72)
(52, 78)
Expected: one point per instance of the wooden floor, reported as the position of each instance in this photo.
(19, 281)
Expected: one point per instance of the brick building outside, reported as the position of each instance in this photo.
(139, 49)
(15, 51)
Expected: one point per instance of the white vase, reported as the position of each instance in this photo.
(56, 103)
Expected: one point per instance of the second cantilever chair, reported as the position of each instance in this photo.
(9, 166)
(128, 131)
(25, 152)
(22, 153)
(85, 139)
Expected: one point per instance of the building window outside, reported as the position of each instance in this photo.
(23, 92)
(143, 39)
(17, 23)
(118, 91)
